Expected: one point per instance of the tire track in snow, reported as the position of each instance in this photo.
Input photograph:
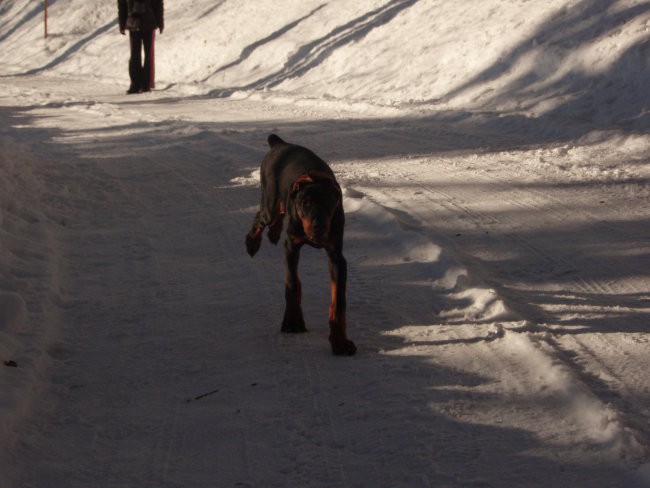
(628, 421)
(609, 386)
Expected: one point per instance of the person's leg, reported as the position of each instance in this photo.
(135, 62)
(147, 38)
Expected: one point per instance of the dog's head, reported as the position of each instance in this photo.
(316, 200)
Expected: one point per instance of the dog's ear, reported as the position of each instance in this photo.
(319, 176)
(274, 140)
(300, 181)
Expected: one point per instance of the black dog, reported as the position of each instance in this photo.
(300, 186)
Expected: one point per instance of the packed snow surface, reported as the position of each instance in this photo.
(495, 162)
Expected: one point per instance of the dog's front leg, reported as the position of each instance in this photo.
(338, 266)
(293, 319)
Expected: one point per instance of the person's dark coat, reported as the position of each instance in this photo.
(141, 15)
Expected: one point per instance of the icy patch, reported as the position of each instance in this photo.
(252, 179)
(480, 304)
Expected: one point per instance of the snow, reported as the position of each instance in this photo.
(494, 158)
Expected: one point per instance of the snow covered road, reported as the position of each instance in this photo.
(498, 296)
(495, 162)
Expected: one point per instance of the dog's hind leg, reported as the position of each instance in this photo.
(293, 318)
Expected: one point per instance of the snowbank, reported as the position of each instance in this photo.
(582, 60)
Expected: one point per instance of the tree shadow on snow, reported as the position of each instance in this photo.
(611, 98)
(617, 89)
(19, 23)
(74, 48)
(248, 50)
(312, 54)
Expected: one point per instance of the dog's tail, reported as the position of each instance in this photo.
(274, 140)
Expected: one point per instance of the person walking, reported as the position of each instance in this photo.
(141, 18)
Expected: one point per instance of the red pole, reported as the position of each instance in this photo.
(45, 19)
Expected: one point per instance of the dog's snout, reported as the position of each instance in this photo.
(317, 230)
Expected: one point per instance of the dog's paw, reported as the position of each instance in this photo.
(293, 327)
(253, 243)
(343, 347)
(274, 234)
